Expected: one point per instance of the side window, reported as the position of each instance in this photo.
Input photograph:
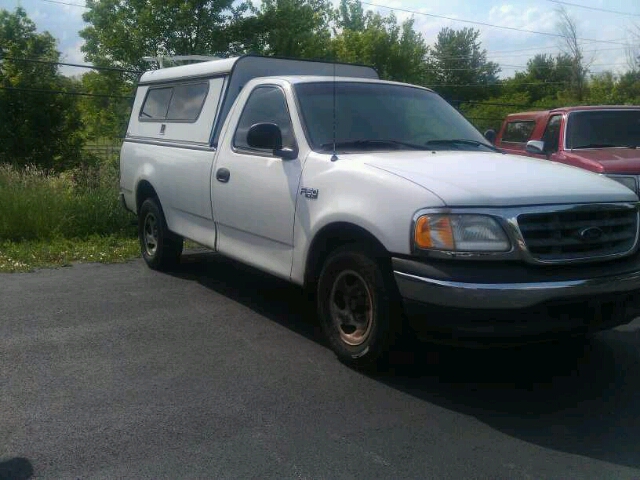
(187, 102)
(518, 131)
(265, 104)
(179, 103)
(551, 137)
(156, 104)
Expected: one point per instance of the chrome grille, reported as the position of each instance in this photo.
(588, 233)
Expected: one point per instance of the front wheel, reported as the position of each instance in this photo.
(357, 306)
(160, 249)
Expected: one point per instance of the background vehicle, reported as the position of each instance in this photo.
(602, 139)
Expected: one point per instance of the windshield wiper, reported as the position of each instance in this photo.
(458, 141)
(364, 143)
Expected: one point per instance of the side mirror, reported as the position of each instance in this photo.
(536, 147)
(269, 137)
(265, 135)
(490, 135)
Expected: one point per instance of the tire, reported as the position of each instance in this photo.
(358, 306)
(160, 248)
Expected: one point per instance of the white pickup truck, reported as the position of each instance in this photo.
(381, 200)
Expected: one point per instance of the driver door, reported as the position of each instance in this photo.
(254, 192)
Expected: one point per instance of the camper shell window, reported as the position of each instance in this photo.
(178, 103)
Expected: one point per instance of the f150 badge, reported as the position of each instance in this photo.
(309, 192)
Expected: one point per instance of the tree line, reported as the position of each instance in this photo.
(46, 118)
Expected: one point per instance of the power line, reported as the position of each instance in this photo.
(64, 92)
(508, 52)
(598, 50)
(540, 67)
(65, 3)
(495, 104)
(50, 62)
(617, 12)
(487, 85)
(484, 24)
(496, 53)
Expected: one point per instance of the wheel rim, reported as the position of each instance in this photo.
(150, 234)
(351, 307)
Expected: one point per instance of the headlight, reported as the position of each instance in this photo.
(629, 182)
(465, 233)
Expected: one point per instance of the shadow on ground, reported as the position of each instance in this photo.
(582, 398)
(16, 469)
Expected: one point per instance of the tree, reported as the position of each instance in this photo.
(633, 48)
(291, 28)
(39, 123)
(460, 66)
(544, 78)
(123, 32)
(106, 114)
(397, 51)
(570, 46)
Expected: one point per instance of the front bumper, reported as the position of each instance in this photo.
(517, 302)
(508, 295)
(485, 285)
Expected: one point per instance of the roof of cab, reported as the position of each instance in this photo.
(532, 115)
(295, 79)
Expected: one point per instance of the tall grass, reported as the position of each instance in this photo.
(81, 203)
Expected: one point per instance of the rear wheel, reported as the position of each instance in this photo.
(357, 306)
(160, 248)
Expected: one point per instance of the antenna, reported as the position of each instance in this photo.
(334, 157)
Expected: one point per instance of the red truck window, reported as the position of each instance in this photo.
(551, 137)
(518, 131)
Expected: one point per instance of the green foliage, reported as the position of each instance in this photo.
(105, 116)
(457, 59)
(121, 33)
(291, 28)
(491, 112)
(397, 51)
(36, 127)
(74, 204)
(544, 78)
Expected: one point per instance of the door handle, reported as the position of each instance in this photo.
(223, 175)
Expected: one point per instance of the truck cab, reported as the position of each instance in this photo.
(601, 139)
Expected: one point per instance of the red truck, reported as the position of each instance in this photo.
(603, 139)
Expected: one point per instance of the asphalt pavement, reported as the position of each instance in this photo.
(218, 371)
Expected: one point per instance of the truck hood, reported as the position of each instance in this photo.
(494, 179)
(607, 160)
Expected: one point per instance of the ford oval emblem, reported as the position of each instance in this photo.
(591, 234)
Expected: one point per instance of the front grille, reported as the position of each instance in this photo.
(579, 233)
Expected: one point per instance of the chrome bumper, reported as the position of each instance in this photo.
(508, 295)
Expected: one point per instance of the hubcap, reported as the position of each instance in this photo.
(150, 234)
(351, 307)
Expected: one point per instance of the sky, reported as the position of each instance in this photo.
(604, 33)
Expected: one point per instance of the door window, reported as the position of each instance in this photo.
(265, 105)
(551, 137)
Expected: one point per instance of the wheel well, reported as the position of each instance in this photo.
(331, 237)
(144, 191)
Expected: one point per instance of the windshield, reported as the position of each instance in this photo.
(373, 116)
(605, 128)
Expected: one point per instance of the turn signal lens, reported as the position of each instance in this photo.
(434, 232)
(463, 232)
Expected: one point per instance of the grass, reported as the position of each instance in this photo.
(50, 220)
(28, 255)
(76, 204)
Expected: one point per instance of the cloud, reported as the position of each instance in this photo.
(73, 54)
